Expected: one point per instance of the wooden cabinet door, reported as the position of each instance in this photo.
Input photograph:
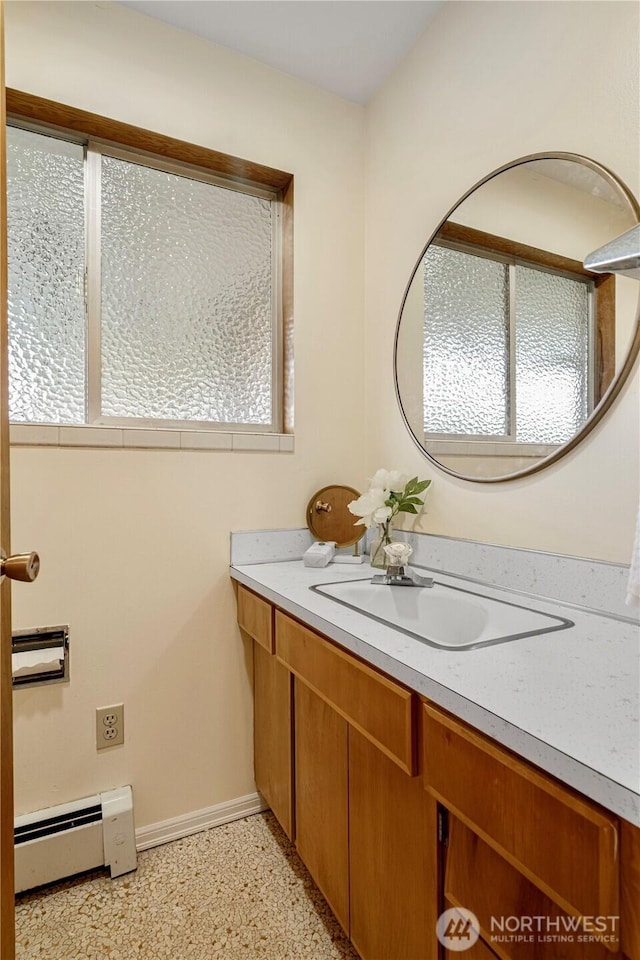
(562, 842)
(393, 858)
(630, 919)
(273, 735)
(321, 778)
(477, 878)
(479, 951)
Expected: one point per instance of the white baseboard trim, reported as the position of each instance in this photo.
(158, 833)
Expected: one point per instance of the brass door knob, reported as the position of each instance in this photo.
(21, 566)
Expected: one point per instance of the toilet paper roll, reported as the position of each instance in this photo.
(28, 663)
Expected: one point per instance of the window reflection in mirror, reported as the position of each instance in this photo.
(506, 344)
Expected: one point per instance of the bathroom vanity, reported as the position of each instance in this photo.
(413, 779)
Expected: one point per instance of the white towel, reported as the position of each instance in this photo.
(633, 586)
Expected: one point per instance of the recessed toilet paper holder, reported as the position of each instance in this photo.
(40, 655)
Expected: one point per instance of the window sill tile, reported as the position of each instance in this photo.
(52, 435)
(451, 448)
(256, 441)
(151, 438)
(41, 434)
(205, 440)
(90, 437)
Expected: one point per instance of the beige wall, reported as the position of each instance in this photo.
(487, 83)
(528, 207)
(135, 545)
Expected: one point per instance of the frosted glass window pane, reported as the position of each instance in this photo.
(466, 343)
(186, 298)
(552, 356)
(46, 243)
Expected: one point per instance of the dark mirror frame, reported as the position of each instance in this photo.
(616, 384)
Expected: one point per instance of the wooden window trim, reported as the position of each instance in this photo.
(65, 118)
(605, 291)
(38, 110)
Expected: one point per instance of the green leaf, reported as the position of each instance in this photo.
(421, 486)
(409, 489)
(407, 508)
(413, 500)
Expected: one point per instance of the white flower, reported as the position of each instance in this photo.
(381, 515)
(367, 505)
(389, 481)
(397, 481)
(383, 500)
(380, 479)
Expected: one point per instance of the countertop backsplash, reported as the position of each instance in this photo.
(596, 584)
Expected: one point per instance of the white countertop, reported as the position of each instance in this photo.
(566, 701)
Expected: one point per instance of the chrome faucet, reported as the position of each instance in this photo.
(397, 555)
(396, 576)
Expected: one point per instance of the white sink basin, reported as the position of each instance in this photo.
(443, 616)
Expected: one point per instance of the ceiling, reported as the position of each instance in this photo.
(581, 177)
(347, 47)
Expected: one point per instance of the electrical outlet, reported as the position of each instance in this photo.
(109, 726)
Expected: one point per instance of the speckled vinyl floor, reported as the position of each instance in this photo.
(237, 891)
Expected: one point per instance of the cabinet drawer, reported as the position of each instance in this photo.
(567, 846)
(255, 617)
(477, 878)
(376, 706)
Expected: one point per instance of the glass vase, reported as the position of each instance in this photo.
(377, 556)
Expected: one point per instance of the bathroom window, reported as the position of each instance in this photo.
(46, 239)
(142, 292)
(503, 337)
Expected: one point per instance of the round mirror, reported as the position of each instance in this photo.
(507, 350)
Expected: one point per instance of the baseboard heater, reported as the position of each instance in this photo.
(74, 837)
